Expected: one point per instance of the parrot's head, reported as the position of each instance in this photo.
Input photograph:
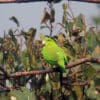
(48, 41)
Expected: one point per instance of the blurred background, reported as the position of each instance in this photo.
(30, 14)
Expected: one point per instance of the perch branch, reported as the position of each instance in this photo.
(83, 60)
(68, 66)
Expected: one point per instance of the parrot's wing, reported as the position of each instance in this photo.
(55, 55)
(61, 60)
(61, 65)
(50, 54)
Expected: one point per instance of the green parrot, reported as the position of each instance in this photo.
(53, 54)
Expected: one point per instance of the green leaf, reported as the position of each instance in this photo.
(98, 96)
(11, 34)
(88, 71)
(97, 83)
(72, 96)
(96, 52)
(1, 40)
(30, 95)
(70, 26)
(22, 94)
(3, 97)
(25, 59)
(78, 49)
(48, 87)
(78, 92)
(79, 21)
(16, 95)
(91, 91)
(96, 20)
(91, 40)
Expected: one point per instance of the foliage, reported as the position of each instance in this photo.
(20, 51)
(96, 19)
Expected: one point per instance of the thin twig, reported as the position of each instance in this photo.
(77, 83)
(51, 26)
(83, 60)
(81, 83)
(74, 73)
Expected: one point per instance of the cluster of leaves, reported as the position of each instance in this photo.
(20, 51)
(96, 19)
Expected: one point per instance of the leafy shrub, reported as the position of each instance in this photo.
(21, 52)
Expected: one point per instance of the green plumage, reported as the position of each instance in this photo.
(53, 54)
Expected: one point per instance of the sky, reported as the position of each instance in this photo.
(30, 14)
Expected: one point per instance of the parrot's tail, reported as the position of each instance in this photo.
(62, 70)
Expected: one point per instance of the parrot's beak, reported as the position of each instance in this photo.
(43, 43)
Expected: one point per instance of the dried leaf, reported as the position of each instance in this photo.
(96, 52)
(78, 92)
(15, 20)
(46, 17)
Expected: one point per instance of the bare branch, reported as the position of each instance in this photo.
(83, 60)
(74, 73)
(81, 83)
(35, 72)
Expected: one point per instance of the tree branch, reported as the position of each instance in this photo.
(81, 83)
(83, 60)
(35, 72)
